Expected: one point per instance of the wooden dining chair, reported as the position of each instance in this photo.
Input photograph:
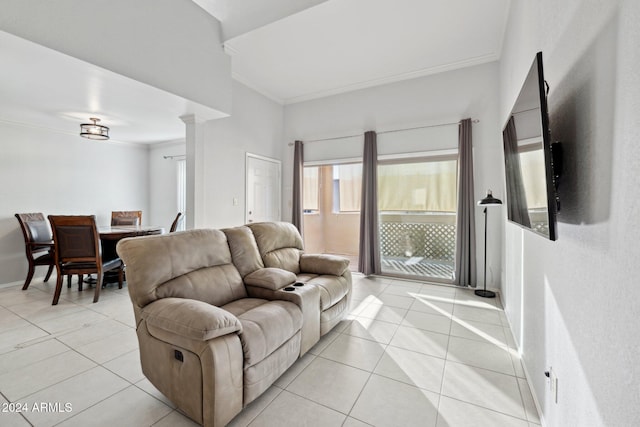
(77, 250)
(38, 243)
(176, 222)
(126, 218)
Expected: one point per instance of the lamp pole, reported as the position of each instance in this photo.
(487, 201)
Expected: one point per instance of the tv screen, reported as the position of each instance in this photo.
(531, 189)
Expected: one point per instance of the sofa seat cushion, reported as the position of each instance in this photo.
(266, 325)
(332, 288)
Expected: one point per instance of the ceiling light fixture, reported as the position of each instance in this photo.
(94, 130)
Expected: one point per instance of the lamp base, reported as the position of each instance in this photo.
(484, 293)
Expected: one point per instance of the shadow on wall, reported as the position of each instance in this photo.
(582, 111)
(582, 116)
(13, 263)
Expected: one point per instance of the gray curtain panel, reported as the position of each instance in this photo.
(465, 274)
(369, 256)
(517, 208)
(297, 213)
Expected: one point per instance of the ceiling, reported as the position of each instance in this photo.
(336, 46)
(44, 88)
(288, 50)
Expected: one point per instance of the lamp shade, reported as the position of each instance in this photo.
(94, 130)
(489, 200)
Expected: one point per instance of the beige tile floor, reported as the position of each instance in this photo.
(410, 354)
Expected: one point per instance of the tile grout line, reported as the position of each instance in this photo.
(21, 413)
(489, 409)
(343, 332)
(265, 406)
(348, 414)
(507, 349)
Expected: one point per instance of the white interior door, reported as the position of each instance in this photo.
(263, 189)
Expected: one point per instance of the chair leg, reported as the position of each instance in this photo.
(32, 269)
(48, 273)
(56, 294)
(96, 295)
(69, 280)
(120, 277)
(80, 278)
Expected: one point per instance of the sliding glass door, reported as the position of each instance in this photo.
(417, 200)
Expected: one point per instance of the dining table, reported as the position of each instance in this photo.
(118, 232)
(110, 235)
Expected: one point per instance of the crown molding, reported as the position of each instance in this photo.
(167, 144)
(229, 50)
(191, 119)
(394, 79)
(240, 79)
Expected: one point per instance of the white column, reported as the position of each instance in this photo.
(194, 138)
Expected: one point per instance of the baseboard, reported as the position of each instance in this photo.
(36, 279)
(536, 402)
(19, 282)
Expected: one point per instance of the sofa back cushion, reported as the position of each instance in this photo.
(279, 244)
(244, 250)
(193, 264)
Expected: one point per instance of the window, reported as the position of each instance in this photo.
(332, 209)
(310, 189)
(429, 186)
(181, 180)
(347, 187)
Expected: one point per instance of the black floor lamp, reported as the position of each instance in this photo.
(487, 202)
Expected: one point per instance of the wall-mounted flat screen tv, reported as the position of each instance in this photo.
(531, 197)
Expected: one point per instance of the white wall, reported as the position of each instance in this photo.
(56, 173)
(163, 183)
(173, 45)
(441, 98)
(573, 303)
(255, 126)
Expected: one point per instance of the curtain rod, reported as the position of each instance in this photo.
(175, 157)
(386, 131)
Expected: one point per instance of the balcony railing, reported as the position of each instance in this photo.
(418, 244)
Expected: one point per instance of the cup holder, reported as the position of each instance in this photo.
(298, 284)
(289, 288)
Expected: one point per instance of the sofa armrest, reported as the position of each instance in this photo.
(190, 318)
(270, 278)
(323, 264)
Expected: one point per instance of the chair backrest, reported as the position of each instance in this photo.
(35, 228)
(75, 238)
(126, 218)
(279, 243)
(194, 264)
(176, 222)
(244, 249)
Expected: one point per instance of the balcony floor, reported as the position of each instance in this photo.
(417, 266)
